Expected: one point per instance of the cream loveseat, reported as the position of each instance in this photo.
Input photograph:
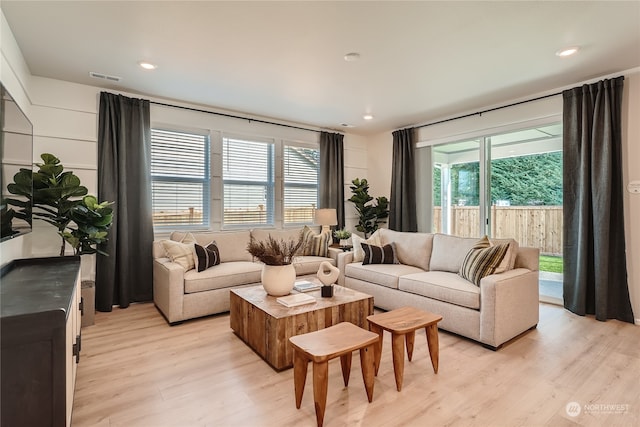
(502, 307)
(182, 294)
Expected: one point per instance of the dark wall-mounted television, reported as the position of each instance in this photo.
(16, 153)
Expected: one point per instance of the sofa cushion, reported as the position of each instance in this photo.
(509, 260)
(380, 274)
(482, 261)
(358, 252)
(379, 254)
(309, 264)
(223, 275)
(316, 244)
(411, 248)
(206, 256)
(231, 244)
(442, 286)
(449, 251)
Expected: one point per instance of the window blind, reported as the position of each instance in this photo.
(248, 177)
(300, 183)
(179, 179)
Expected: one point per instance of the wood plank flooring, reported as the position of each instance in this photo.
(135, 370)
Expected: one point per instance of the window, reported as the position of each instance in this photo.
(300, 183)
(248, 179)
(179, 179)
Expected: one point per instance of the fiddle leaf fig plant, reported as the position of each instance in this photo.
(371, 215)
(83, 223)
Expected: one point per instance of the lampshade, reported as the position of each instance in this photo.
(326, 217)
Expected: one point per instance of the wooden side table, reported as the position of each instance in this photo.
(319, 347)
(404, 322)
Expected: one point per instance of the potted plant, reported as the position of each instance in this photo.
(343, 236)
(370, 214)
(53, 197)
(278, 274)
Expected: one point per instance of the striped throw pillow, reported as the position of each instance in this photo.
(379, 254)
(482, 260)
(315, 244)
(207, 256)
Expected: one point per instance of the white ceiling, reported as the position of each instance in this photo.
(419, 60)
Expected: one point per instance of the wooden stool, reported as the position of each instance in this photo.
(321, 346)
(404, 322)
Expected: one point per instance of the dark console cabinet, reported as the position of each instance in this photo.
(40, 338)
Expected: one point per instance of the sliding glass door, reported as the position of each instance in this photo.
(505, 185)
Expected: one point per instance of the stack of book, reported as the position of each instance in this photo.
(295, 300)
(306, 286)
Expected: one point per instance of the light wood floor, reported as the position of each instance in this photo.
(135, 370)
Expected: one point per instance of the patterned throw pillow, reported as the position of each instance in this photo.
(379, 254)
(315, 244)
(482, 260)
(207, 256)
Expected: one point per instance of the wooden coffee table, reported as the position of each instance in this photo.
(266, 326)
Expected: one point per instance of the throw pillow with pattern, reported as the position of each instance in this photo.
(482, 260)
(315, 244)
(379, 254)
(207, 256)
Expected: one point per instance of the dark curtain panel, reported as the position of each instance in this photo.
(332, 174)
(595, 268)
(124, 156)
(402, 203)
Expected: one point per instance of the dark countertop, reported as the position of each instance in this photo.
(36, 285)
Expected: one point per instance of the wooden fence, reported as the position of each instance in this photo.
(535, 226)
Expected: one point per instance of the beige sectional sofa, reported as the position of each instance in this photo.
(502, 307)
(182, 295)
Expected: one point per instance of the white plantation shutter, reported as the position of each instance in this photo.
(300, 184)
(179, 179)
(248, 177)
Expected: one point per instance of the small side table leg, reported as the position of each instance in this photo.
(410, 338)
(397, 341)
(378, 346)
(345, 362)
(367, 357)
(432, 342)
(320, 385)
(300, 364)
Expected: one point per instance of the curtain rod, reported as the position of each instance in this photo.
(234, 116)
(479, 113)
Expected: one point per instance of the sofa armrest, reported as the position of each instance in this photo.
(509, 305)
(344, 258)
(168, 288)
(333, 253)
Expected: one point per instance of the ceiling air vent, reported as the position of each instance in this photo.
(104, 76)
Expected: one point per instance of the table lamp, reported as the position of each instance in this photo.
(326, 218)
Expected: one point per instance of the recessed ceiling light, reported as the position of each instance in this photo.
(568, 51)
(352, 56)
(367, 117)
(147, 65)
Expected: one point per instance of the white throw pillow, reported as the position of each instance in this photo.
(181, 252)
(358, 252)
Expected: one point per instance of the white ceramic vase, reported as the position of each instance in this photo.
(278, 280)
